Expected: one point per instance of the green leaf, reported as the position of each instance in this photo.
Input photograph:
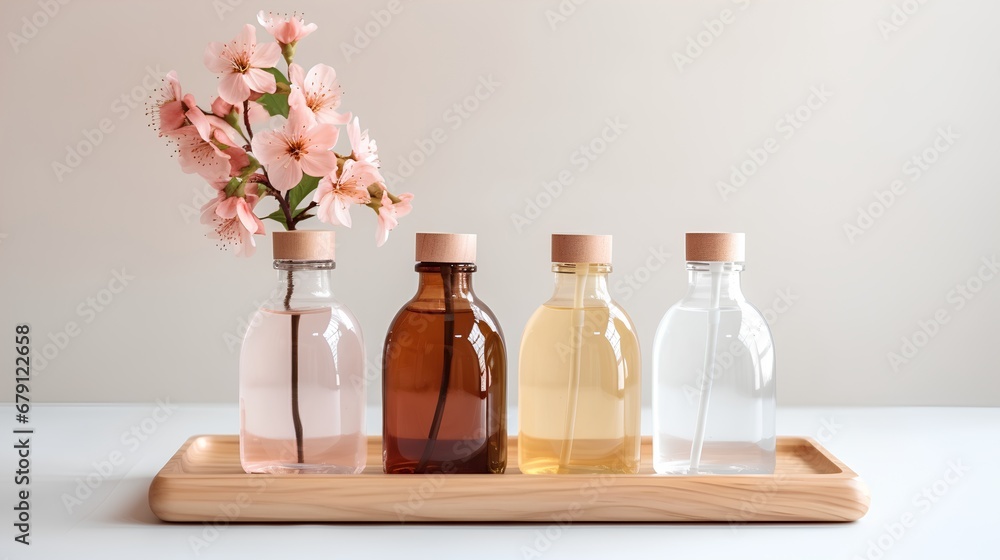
(277, 216)
(278, 76)
(299, 192)
(275, 104)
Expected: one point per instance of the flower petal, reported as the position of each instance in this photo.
(382, 231)
(265, 19)
(246, 40)
(354, 133)
(284, 174)
(173, 85)
(265, 56)
(321, 78)
(325, 187)
(306, 30)
(327, 115)
(238, 159)
(318, 162)
(258, 114)
(171, 116)
(220, 108)
(228, 208)
(214, 59)
(300, 116)
(322, 136)
(260, 81)
(201, 122)
(296, 74)
(403, 207)
(234, 89)
(208, 214)
(269, 146)
(342, 210)
(247, 218)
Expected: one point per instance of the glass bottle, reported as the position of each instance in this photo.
(579, 380)
(713, 370)
(444, 370)
(302, 386)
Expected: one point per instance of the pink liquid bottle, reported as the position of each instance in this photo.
(302, 386)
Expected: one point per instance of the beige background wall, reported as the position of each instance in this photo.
(839, 97)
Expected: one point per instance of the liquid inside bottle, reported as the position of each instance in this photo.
(471, 436)
(602, 435)
(444, 374)
(579, 374)
(739, 425)
(302, 385)
(330, 407)
(713, 371)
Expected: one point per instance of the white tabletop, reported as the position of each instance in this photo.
(936, 469)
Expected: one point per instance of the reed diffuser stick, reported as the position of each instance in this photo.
(449, 351)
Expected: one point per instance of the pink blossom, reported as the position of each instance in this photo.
(240, 62)
(258, 114)
(199, 148)
(362, 148)
(335, 195)
(168, 110)
(221, 108)
(389, 214)
(301, 146)
(321, 91)
(287, 30)
(233, 222)
(238, 160)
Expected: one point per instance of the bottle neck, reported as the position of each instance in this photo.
(441, 280)
(304, 281)
(703, 277)
(581, 282)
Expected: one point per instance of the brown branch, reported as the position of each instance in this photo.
(246, 118)
(302, 213)
(282, 201)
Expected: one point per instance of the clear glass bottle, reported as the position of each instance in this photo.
(713, 370)
(302, 386)
(579, 379)
(444, 370)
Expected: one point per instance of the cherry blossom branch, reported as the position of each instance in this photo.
(285, 208)
(246, 118)
(263, 179)
(302, 213)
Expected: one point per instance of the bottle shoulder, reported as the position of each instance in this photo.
(741, 315)
(417, 313)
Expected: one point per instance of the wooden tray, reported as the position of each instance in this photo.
(203, 481)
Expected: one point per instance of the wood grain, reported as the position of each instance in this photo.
(203, 481)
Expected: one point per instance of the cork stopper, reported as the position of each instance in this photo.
(305, 245)
(446, 247)
(715, 247)
(570, 248)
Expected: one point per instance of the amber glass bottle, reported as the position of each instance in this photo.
(444, 370)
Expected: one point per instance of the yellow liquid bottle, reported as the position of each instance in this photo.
(579, 376)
